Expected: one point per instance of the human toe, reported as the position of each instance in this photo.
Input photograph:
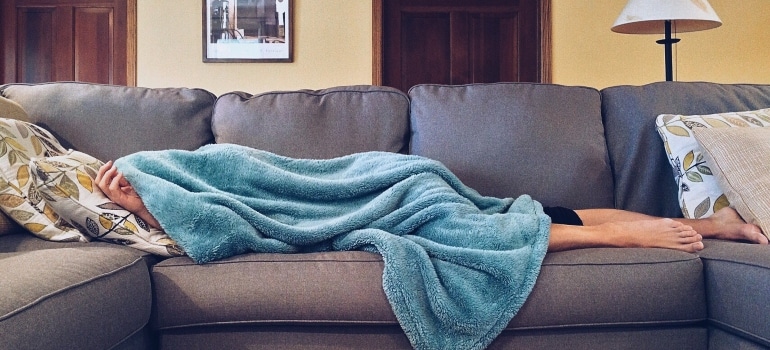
(759, 237)
(697, 246)
(690, 237)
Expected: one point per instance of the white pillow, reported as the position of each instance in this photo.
(67, 184)
(740, 160)
(19, 142)
(699, 193)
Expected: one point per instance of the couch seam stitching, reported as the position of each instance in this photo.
(743, 263)
(622, 263)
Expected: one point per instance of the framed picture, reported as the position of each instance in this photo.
(247, 30)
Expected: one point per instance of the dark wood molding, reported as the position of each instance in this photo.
(377, 42)
(545, 41)
(7, 42)
(131, 41)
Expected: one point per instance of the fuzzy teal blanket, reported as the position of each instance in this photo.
(458, 266)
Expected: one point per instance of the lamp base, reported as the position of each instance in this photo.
(668, 42)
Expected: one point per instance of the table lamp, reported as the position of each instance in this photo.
(660, 16)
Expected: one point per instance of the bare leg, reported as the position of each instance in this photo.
(724, 224)
(655, 233)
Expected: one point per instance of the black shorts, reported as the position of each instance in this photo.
(564, 216)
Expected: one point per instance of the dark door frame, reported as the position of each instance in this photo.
(131, 43)
(545, 41)
(8, 61)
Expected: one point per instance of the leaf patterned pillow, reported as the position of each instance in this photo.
(699, 192)
(12, 110)
(66, 184)
(19, 142)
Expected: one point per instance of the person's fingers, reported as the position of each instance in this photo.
(115, 181)
(108, 180)
(129, 190)
(103, 169)
(123, 181)
(123, 185)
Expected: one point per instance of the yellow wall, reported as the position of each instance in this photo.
(586, 52)
(332, 46)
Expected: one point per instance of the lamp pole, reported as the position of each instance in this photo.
(667, 42)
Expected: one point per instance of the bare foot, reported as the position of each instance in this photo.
(727, 224)
(657, 233)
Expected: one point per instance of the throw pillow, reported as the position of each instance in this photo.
(19, 142)
(738, 159)
(699, 193)
(12, 110)
(66, 183)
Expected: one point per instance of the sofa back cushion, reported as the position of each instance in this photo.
(108, 121)
(644, 179)
(508, 139)
(315, 124)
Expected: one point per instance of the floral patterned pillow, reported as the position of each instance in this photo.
(19, 142)
(699, 192)
(66, 184)
(10, 110)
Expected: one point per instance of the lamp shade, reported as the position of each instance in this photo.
(649, 16)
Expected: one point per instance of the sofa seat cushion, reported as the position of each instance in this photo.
(591, 287)
(499, 139)
(615, 287)
(737, 285)
(92, 296)
(315, 123)
(109, 122)
(327, 288)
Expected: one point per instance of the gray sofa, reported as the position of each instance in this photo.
(570, 146)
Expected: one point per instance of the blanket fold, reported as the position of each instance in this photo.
(458, 265)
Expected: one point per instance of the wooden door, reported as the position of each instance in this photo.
(458, 41)
(68, 40)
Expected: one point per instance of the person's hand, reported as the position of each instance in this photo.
(118, 190)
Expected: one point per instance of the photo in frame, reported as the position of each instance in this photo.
(247, 30)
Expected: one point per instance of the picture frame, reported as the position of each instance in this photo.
(248, 30)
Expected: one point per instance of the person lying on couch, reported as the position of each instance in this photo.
(457, 266)
(570, 229)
